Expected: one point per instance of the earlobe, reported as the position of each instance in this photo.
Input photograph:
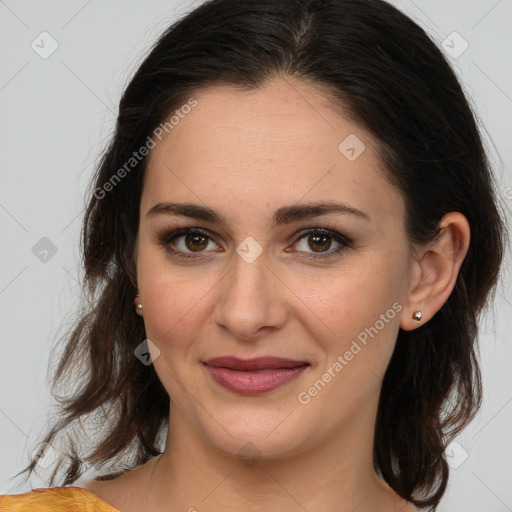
(138, 305)
(435, 272)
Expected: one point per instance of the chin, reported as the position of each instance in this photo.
(255, 436)
(252, 449)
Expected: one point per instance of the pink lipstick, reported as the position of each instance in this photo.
(254, 376)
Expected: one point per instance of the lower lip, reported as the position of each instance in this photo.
(254, 382)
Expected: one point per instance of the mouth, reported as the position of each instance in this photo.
(254, 376)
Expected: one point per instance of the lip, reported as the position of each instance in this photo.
(254, 376)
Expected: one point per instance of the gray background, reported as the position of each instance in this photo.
(58, 112)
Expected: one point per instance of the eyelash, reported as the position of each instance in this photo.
(167, 237)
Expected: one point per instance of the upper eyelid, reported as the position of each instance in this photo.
(297, 236)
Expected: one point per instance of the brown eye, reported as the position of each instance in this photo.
(319, 243)
(187, 243)
(196, 242)
(315, 242)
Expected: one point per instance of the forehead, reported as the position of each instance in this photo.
(279, 144)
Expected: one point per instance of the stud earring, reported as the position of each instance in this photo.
(137, 302)
(417, 316)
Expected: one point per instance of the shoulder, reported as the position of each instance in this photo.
(54, 499)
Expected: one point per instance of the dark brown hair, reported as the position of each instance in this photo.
(391, 78)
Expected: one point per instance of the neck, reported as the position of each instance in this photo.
(194, 475)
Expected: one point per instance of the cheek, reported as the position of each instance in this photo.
(361, 310)
(175, 300)
(175, 313)
(358, 304)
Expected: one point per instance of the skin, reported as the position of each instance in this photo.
(246, 154)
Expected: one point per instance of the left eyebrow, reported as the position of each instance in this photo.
(283, 215)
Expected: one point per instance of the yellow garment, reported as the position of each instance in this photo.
(54, 499)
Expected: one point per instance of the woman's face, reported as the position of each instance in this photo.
(250, 287)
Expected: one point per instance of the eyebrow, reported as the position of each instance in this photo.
(283, 215)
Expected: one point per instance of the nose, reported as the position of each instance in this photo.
(252, 300)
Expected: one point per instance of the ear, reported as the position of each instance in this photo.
(131, 265)
(135, 254)
(435, 269)
(132, 272)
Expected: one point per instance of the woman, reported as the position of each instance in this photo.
(288, 244)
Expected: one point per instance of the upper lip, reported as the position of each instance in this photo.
(257, 363)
